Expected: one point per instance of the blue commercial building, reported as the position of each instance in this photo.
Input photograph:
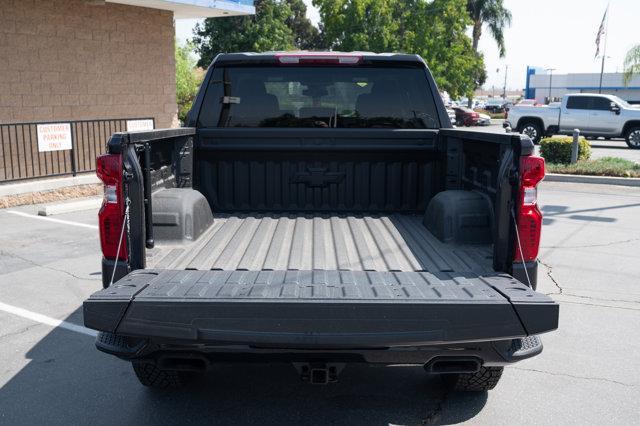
(540, 85)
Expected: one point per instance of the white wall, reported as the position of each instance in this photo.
(572, 83)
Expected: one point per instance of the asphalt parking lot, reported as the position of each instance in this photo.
(589, 371)
(600, 147)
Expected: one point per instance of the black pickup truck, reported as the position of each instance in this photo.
(319, 209)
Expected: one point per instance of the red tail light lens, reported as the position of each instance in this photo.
(111, 215)
(529, 217)
(531, 170)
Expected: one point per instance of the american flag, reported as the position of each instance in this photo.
(601, 31)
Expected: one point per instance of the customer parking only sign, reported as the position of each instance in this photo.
(54, 137)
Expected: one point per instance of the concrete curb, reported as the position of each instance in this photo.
(599, 180)
(74, 206)
(41, 185)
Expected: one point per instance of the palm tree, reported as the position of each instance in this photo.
(631, 64)
(492, 13)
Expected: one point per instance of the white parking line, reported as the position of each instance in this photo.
(43, 319)
(50, 219)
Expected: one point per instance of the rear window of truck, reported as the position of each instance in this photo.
(299, 96)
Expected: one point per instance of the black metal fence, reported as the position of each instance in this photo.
(20, 157)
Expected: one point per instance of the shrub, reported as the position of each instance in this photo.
(607, 166)
(558, 149)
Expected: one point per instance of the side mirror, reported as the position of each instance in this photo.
(614, 108)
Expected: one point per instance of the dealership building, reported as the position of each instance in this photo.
(540, 85)
(109, 64)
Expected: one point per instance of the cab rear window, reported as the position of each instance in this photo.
(338, 97)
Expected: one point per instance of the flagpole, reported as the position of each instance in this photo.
(604, 51)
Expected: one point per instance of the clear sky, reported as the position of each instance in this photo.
(544, 33)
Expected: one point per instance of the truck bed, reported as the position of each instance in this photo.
(259, 242)
(320, 280)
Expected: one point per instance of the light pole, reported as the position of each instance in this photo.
(504, 89)
(551, 70)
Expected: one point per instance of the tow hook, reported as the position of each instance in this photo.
(319, 373)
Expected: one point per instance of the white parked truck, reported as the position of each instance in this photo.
(593, 114)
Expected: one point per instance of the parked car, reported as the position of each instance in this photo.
(527, 102)
(594, 115)
(466, 116)
(496, 105)
(272, 229)
(484, 119)
(452, 115)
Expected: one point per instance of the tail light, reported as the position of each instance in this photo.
(111, 215)
(529, 218)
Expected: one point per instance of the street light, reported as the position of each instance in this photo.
(551, 70)
(504, 89)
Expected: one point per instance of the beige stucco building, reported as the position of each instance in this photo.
(93, 59)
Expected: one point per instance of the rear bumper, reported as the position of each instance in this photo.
(164, 352)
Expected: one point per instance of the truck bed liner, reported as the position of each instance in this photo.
(256, 242)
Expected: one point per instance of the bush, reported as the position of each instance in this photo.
(558, 149)
(607, 166)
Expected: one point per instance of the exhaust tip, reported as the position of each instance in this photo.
(450, 365)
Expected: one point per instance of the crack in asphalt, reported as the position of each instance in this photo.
(561, 292)
(600, 305)
(598, 379)
(601, 299)
(612, 243)
(550, 275)
(18, 332)
(39, 265)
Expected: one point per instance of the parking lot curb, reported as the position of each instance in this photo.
(46, 184)
(74, 206)
(599, 180)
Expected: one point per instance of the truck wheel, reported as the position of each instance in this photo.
(633, 138)
(485, 379)
(150, 375)
(533, 130)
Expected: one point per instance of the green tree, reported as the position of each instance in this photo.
(494, 15)
(368, 25)
(188, 79)
(631, 64)
(305, 35)
(434, 29)
(277, 25)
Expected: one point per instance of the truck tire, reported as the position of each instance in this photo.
(633, 138)
(485, 379)
(150, 375)
(533, 130)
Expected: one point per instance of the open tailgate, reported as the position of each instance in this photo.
(320, 308)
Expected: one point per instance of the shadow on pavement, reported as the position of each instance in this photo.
(564, 211)
(68, 381)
